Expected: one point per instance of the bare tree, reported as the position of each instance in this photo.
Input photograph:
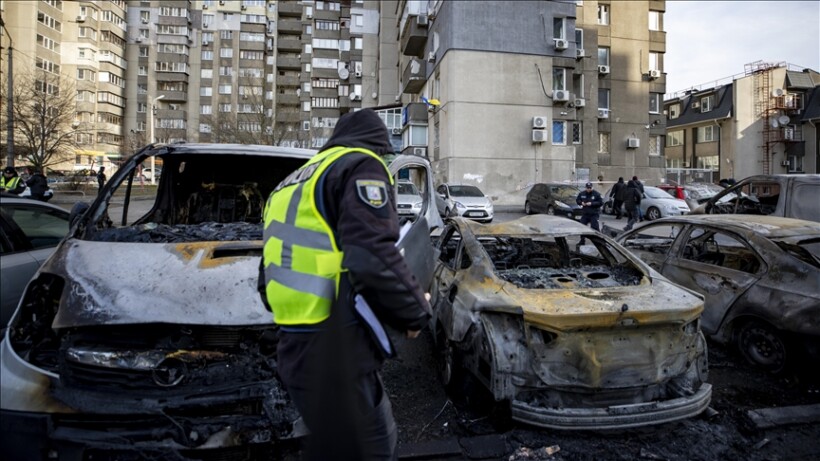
(45, 129)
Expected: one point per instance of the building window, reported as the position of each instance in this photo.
(795, 163)
(654, 145)
(654, 61)
(559, 131)
(226, 52)
(655, 20)
(674, 111)
(603, 98)
(207, 55)
(143, 51)
(358, 20)
(141, 107)
(603, 15)
(306, 106)
(206, 73)
(559, 28)
(655, 103)
(577, 132)
(706, 134)
(205, 109)
(206, 91)
(603, 56)
(706, 104)
(603, 143)
(559, 76)
(579, 38)
(674, 138)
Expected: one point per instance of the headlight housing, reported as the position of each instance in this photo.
(459, 205)
(417, 205)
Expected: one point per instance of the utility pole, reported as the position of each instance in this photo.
(9, 103)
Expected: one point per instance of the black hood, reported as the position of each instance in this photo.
(364, 129)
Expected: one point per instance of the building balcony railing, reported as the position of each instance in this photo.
(287, 81)
(290, 9)
(172, 114)
(173, 95)
(288, 99)
(414, 76)
(414, 36)
(289, 44)
(287, 115)
(289, 63)
(289, 26)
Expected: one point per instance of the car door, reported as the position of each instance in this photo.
(653, 243)
(445, 289)
(718, 264)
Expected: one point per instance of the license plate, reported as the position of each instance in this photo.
(475, 213)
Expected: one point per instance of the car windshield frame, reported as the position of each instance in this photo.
(465, 191)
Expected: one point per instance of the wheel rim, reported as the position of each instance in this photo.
(653, 213)
(446, 358)
(550, 210)
(763, 347)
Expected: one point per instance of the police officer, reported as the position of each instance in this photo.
(330, 233)
(10, 182)
(590, 202)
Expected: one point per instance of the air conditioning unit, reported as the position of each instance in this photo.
(539, 121)
(539, 135)
(431, 56)
(309, 15)
(603, 113)
(221, 2)
(205, 43)
(395, 130)
(138, 39)
(357, 73)
(205, 26)
(784, 163)
(420, 151)
(144, 20)
(561, 44)
(695, 104)
(423, 20)
(603, 69)
(243, 7)
(777, 92)
(81, 18)
(580, 102)
(654, 73)
(560, 95)
(204, 7)
(633, 143)
(355, 97)
(579, 53)
(788, 134)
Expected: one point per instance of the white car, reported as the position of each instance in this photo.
(408, 200)
(656, 203)
(469, 201)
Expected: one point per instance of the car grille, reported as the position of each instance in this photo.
(403, 206)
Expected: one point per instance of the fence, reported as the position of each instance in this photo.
(690, 175)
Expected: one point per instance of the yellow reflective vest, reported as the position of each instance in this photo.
(302, 262)
(9, 184)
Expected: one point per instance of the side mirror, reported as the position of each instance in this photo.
(77, 211)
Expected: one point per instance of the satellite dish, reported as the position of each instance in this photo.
(344, 73)
(783, 119)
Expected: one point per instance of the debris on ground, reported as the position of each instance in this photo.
(527, 453)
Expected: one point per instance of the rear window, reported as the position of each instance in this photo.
(803, 205)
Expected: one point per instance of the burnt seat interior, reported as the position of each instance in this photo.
(195, 189)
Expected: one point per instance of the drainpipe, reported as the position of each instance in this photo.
(816, 142)
(720, 156)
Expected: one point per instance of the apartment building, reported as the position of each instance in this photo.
(531, 91)
(762, 122)
(72, 47)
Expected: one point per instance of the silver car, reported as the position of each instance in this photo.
(408, 200)
(469, 201)
(656, 203)
(29, 232)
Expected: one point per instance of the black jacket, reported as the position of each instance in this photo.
(38, 185)
(593, 196)
(632, 196)
(618, 191)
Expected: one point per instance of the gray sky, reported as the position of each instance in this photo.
(708, 41)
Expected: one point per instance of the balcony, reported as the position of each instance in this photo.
(414, 76)
(172, 114)
(287, 99)
(288, 63)
(289, 26)
(290, 9)
(286, 81)
(413, 37)
(173, 95)
(289, 44)
(286, 115)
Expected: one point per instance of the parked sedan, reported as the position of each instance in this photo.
(570, 336)
(655, 204)
(469, 201)
(144, 336)
(29, 232)
(694, 194)
(554, 199)
(760, 277)
(408, 200)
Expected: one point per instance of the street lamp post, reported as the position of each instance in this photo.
(151, 127)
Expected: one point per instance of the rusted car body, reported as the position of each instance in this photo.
(572, 336)
(143, 336)
(760, 277)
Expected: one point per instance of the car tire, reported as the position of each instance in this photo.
(653, 213)
(448, 364)
(527, 208)
(551, 210)
(608, 208)
(763, 346)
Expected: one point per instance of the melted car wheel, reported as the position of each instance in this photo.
(761, 345)
(447, 362)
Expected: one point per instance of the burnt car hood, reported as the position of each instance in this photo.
(114, 283)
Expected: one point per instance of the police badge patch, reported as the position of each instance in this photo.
(372, 192)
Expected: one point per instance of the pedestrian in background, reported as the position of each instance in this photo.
(10, 182)
(632, 203)
(330, 230)
(617, 195)
(639, 186)
(590, 201)
(37, 183)
(101, 178)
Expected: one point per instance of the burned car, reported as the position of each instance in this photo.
(143, 336)
(760, 277)
(571, 335)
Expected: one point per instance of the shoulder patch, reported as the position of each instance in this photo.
(373, 192)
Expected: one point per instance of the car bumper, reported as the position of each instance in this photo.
(476, 214)
(614, 417)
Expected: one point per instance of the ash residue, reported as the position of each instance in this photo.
(180, 233)
(585, 277)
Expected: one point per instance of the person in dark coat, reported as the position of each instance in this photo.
(37, 183)
(331, 348)
(632, 203)
(590, 201)
(639, 186)
(617, 195)
(101, 178)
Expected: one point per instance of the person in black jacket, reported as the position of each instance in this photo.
(590, 201)
(37, 183)
(101, 178)
(331, 368)
(632, 203)
(617, 197)
(639, 186)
